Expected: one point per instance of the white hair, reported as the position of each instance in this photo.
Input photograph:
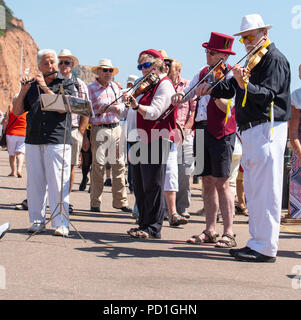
(43, 53)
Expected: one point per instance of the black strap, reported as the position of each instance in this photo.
(10, 124)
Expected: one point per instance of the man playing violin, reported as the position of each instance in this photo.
(45, 145)
(219, 137)
(262, 109)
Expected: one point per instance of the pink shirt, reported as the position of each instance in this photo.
(100, 95)
(185, 109)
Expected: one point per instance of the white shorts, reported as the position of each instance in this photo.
(171, 178)
(15, 144)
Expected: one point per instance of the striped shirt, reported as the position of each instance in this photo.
(100, 95)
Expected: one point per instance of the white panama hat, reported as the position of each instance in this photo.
(252, 22)
(66, 53)
(105, 63)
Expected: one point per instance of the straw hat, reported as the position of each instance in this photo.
(252, 22)
(105, 63)
(66, 53)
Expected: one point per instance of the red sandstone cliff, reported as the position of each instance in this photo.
(11, 43)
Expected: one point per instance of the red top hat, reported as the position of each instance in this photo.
(220, 42)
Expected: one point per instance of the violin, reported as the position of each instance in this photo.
(255, 59)
(151, 80)
(140, 87)
(217, 73)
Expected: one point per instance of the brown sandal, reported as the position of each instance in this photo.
(196, 239)
(242, 211)
(230, 243)
(137, 233)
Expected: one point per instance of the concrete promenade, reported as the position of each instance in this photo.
(112, 266)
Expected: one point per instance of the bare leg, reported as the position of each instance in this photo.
(12, 163)
(20, 161)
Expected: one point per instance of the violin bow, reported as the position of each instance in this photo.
(250, 53)
(135, 85)
(170, 110)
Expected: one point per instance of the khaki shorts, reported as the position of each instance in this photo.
(77, 142)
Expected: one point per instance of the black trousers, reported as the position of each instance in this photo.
(148, 184)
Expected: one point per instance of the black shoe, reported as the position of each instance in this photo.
(233, 252)
(108, 182)
(83, 184)
(248, 255)
(125, 209)
(95, 209)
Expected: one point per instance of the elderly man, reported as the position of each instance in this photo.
(262, 109)
(105, 137)
(46, 146)
(79, 123)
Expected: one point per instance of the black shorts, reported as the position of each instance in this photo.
(218, 155)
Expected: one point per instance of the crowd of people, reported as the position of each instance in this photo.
(227, 125)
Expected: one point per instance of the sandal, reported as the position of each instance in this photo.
(209, 238)
(70, 208)
(137, 233)
(243, 211)
(229, 243)
(175, 220)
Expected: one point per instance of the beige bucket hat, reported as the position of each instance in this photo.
(66, 53)
(105, 63)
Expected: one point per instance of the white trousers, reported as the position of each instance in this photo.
(44, 171)
(262, 161)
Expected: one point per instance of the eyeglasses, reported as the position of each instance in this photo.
(144, 65)
(250, 38)
(66, 63)
(108, 70)
(212, 53)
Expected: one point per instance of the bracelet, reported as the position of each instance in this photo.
(136, 107)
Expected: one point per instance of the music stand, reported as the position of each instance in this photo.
(62, 210)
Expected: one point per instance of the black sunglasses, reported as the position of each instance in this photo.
(108, 70)
(66, 63)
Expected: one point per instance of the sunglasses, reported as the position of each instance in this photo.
(66, 63)
(212, 53)
(245, 38)
(144, 65)
(108, 70)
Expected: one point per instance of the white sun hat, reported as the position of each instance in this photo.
(105, 63)
(66, 53)
(252, 22)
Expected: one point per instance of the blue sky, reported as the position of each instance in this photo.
(121, 29)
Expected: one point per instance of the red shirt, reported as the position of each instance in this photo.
(17, 128)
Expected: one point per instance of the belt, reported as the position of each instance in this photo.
(109, 125)
(251, 125)
(201, 124)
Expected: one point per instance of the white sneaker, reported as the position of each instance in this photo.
(37, 227)
(3, 229)
(62, 231)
